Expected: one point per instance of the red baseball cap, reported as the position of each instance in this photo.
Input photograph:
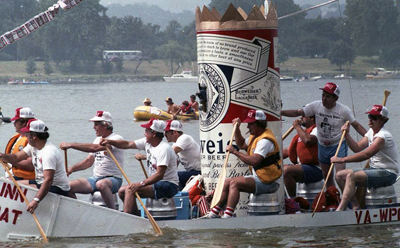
(331, 88)
(155, 125)
(173, 125)
(34, 125)
(379, 110)
(255, 115)
(22, 113)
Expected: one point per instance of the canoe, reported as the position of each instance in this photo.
(62, 217)
(145, 113)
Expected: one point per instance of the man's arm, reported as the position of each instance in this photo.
(84, 147)
(83, 165)
(359, 128)
(239, 139)
(14, 158)
(48, 176)
(253, 160)
(365, 154)
(25, 165)
(122, 144)
(292, 113)
(177, 149)
(307, 138)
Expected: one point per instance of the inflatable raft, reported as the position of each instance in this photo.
(144, 113)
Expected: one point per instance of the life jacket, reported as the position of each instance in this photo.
(270, 168)
(186, 110)
(307, 154)
(14, 145)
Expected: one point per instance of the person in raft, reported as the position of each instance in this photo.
(378, 146)
(22, 170)
(46, 159)
(330, 115)
(263, 157)
(147, 102)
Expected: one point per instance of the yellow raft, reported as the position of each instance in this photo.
(145, 113)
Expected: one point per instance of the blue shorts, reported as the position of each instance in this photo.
(326, 152)
(312, 174)
(53, 189)
(378, 177)
(164, 189)
(116, 183)
(184, 177)
(263, 188)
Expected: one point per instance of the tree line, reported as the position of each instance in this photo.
(76, 38)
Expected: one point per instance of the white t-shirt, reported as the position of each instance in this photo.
(161, 155)
(48, 158)
(329, 121)
(189, 157)
(103, 163)
(386, 158)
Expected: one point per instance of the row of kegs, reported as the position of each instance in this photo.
(36, 22)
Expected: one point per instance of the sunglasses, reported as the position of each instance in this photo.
(373, 117)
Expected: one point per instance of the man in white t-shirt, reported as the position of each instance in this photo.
(161, 162)
(378, 146)
(330, 116)
(187, 150)
(107, 178)
(46, 160)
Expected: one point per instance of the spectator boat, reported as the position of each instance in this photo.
(382, 73)
(183, 77)
(145, 113)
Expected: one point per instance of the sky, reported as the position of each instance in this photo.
(170, 5)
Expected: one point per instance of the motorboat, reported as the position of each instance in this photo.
(343, 76)
(382, 73)
(183, 77)
(285, 78)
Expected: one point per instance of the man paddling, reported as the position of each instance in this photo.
(303, 153)
(330, 115)
(47, 162)
(262, 156)
(378, 146)
(193, 103)
(107, 178)
(22, 170)
(161, 162)
(187, 150)
(173, 109)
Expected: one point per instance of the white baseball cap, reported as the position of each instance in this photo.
(155, 125)
(102, 116)
(174, 125)
(23, 113)
(36, 126)
(255, 115)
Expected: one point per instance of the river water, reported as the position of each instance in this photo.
(66, 108)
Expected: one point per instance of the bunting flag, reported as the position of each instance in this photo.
(36, 22)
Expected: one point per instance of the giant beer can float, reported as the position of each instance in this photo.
(236, 55)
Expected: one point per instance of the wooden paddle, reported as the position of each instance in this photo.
(66, 161)
(156, 228)
(362, 190)
(222, 177)
(330, 170)
(287, 133)
(44, 237)
(144, 171)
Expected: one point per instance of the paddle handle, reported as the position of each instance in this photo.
(144, 170)
(287, 133)
(221, 180)
(330, 170)
(45, 240)
(66, 161)
(153, 223)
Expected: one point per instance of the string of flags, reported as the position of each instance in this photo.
(36, 22)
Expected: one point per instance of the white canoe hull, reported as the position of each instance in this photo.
(65, 217)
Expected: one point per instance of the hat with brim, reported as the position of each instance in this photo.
(146, 100)
(22, 113)
(255, 115)
(173, 125)
(102, 116)
(331, 88)
(379, 110)
(155, 125)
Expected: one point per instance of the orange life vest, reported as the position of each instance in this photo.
(14, 145)
(307, 154)
(270, 168)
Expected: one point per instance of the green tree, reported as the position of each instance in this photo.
(172, 53)
(390, 55)
(48, 69)
(341, 53)
(119, 63)
(30, 66)
(107, 66)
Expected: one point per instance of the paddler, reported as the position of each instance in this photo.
(46, 159)
(161, 162)
(24, 169)
(378, 146)
(193, 103)
(107, 178)
(187, 150)
(303, 153)
(262, 156)
(330, 115)
(173, 109)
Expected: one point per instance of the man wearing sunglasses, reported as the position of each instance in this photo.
(378, 146)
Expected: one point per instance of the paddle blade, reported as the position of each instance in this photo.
(6, 119)
(218, 190)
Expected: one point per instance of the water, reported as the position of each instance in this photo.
(66, 108)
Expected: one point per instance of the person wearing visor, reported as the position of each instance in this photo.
(378, 146)
(263, 157)
(46, 160)
(107, 178)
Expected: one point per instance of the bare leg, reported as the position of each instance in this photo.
(237, 185)
(121, 192)
(325, 169)
(81, 185)
(130, 205)
(104, 186)
(350, 179)
(291, 175)
(224, 194)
